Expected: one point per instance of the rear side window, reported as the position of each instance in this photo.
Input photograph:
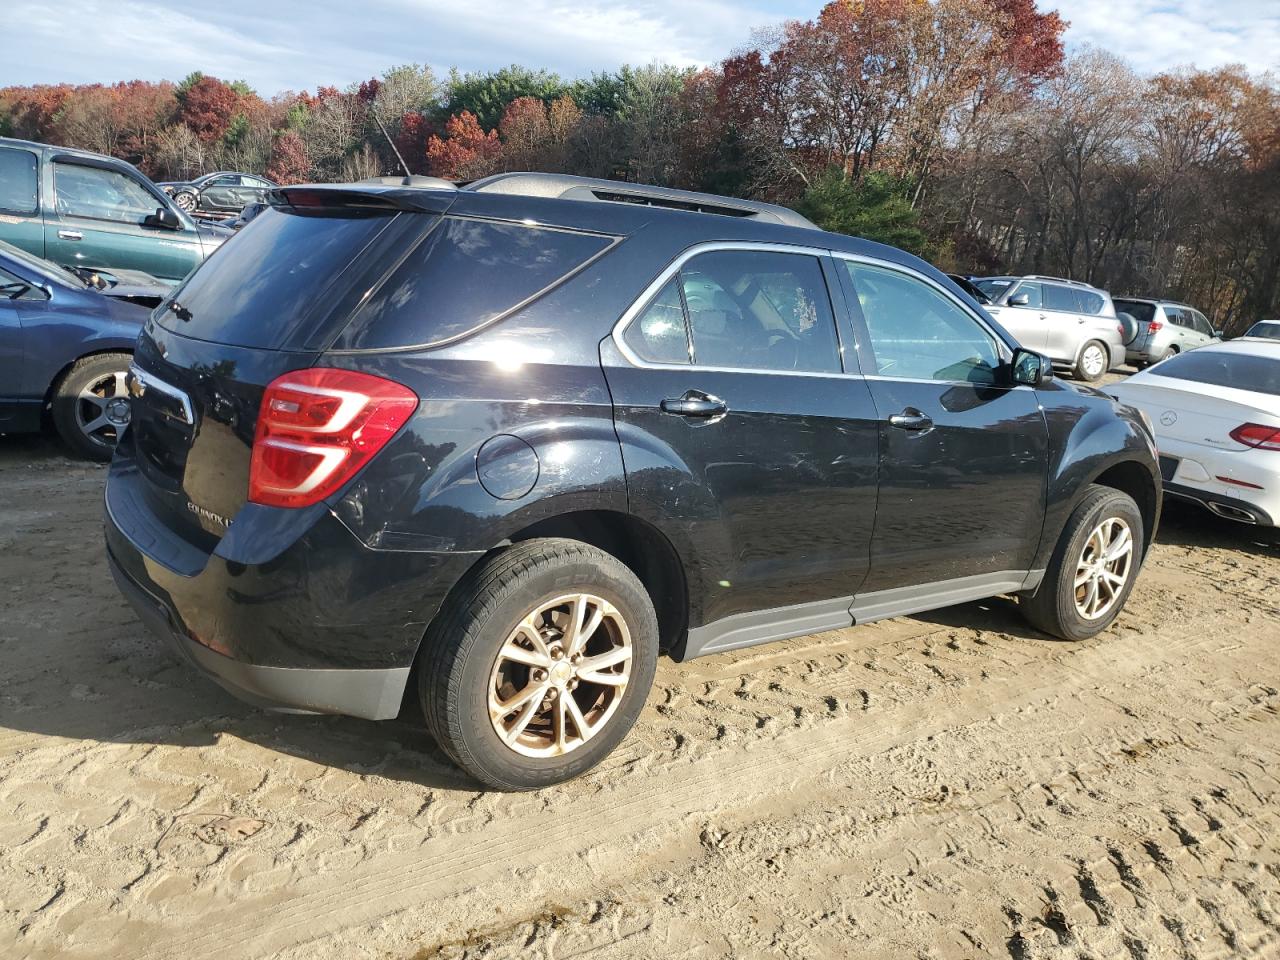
(1175, 316)
(18, 182)
(1224, 369)
(100, 194)
(1142, 312)
(1090, 302)
(273, 284)
(463, 275)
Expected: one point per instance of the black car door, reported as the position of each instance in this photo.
(743, 435)
(963, 452)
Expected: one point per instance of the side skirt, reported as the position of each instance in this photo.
(802, 619)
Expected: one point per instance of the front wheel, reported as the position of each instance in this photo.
(1093, 362)
(185, 199)
(1092, 569)
(539, 664)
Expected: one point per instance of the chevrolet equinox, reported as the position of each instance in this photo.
(505, 444)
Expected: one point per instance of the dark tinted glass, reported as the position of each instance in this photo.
(919, 334)
(1142, 312)
(1175, 316)
(270, 285)
(1090, 302)
(754, 310)
(1267, 328)
(1223, 369)
(992, 288)
(1058, 297)
(17, 181)
(464, 274)
(659, 335)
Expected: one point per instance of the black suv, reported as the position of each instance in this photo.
(517, 439)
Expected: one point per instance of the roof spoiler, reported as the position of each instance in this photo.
(566, 187)
(417, 194)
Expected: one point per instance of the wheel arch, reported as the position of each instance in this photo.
(61, 374)
(1133, 478)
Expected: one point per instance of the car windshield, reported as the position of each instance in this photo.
(46, 269)
(1224, 368)
(993, 288)
(1140, 310)
(1267, 328)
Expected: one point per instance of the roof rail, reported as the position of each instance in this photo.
(566, 187)
(1074, 283)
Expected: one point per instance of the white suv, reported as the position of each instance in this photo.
(1071, 322)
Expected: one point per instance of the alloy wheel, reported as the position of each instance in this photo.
(1093, 361)
(560, 675)
(102, 408)
(1103, 568)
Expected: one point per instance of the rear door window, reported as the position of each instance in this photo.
(1060, 298)
(464, 275)
(760, 310)
(18, 181)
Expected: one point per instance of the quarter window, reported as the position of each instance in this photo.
(917, 333)
(760, 310)
(18, 182)
(660, 334)
(100, 194)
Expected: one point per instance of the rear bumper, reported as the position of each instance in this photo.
(372, 694)
(1232, 508)
(1204, 474)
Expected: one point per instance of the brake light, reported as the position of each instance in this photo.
(317, 428)
(1257, 435)
(1154, 326)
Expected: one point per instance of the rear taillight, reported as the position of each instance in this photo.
(1257, 435)
(1154, 326)
(317, 428)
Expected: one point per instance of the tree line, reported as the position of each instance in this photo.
(957, 129)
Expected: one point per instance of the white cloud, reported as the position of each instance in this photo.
(1158, 35)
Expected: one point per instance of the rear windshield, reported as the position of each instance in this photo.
(1265, 329)
(274, 284)
(465, 274)
(1225, 369)
(1142, 312)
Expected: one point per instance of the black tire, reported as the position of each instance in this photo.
(1169, 352)
(1081, 373)
(461, 649)
(101, 375)
(1053, 607)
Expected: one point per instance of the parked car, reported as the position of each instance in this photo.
(78, 208)
(222, 192)
(965, 284)
(1165, 329)
(64, 349)
(1073, 323)
(1265, 329)
(1216, 412)
(528, 433)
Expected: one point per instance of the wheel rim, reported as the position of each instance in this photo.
(185, 200)
(560, 675)
(1093, 360)
(1103, 568)
(102, 408)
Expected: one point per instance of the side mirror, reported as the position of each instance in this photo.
(163, 218)
(1019, 300)
(1030, 369)
(1218, 334)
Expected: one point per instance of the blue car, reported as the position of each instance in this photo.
(65, 348)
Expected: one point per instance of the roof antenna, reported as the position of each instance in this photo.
(403, 166)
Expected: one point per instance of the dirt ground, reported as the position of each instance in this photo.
(951, 785)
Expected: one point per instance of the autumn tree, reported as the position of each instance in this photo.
(466, 151)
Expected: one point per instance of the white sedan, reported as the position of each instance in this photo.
(1216, 414)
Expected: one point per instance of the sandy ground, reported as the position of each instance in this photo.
(952, 785)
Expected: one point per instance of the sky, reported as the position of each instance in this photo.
(279, 45)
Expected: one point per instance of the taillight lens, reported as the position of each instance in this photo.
(1154, 326)
(1257, 435)
(317, 428)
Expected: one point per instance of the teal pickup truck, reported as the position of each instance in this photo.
(83, 209)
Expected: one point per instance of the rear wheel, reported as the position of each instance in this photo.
(539, 664)
(1092, 569)
(1093, 361)
(91, 404)
(1170, 352)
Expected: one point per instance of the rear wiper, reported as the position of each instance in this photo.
(179, 311)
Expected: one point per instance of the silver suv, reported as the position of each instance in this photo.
(1071, 322)
(1165, 329)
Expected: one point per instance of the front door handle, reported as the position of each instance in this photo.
(695, 403)
(911, 419)
(70, 235)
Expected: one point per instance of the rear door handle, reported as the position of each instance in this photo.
(70, 235)
(695, 403)
(912, 420)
